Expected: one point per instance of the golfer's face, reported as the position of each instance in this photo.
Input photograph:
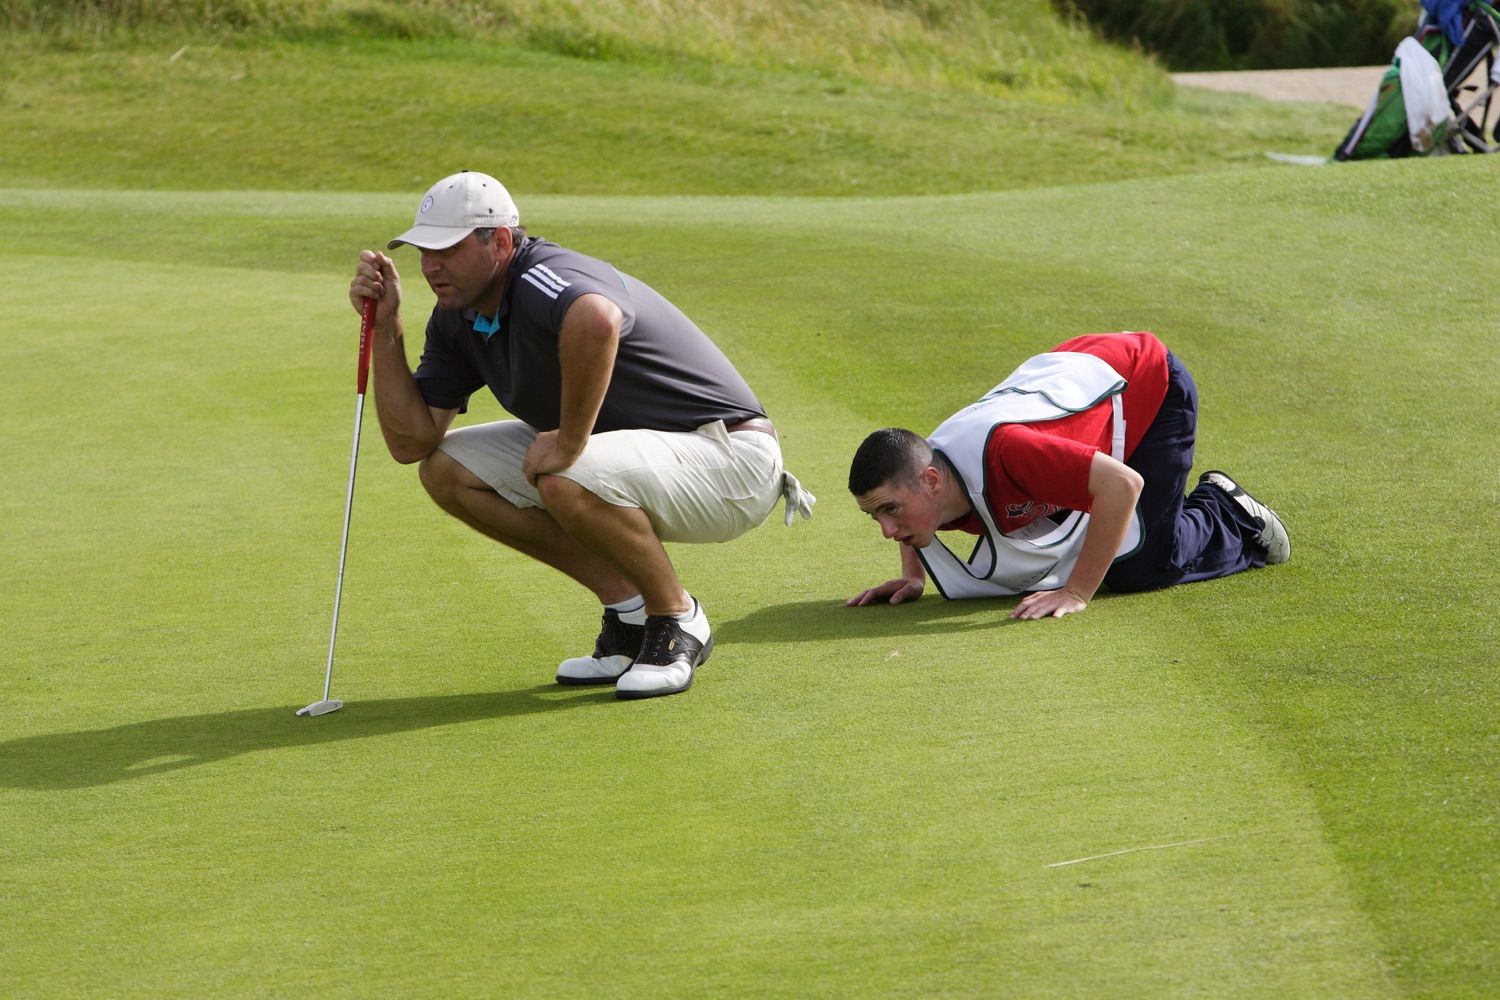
(461, 275)
(908, 513)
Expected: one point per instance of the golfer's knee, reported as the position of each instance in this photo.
(570, 503)
(440, 476)
(559, 494)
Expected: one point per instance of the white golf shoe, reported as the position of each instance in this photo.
(616, 648)
(670, 650)
(1273, 534)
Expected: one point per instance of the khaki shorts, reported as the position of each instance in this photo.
(696, 486)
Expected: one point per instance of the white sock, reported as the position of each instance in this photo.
(632, 610)
(695, 622)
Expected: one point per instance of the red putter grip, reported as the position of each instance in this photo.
(366, 342)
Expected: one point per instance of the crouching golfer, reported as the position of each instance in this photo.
(633, 427)
(1072, 473)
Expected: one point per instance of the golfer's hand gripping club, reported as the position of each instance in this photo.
(366, 341)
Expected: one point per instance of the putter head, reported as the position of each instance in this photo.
(321, 707)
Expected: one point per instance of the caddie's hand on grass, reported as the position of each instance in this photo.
(1049, 604)
(376, 278)
(893, 591)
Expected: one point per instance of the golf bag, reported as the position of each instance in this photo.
(1426, 103)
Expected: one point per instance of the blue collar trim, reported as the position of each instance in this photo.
(487, 325)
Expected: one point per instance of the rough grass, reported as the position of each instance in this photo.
(968, 45)
(395, 116)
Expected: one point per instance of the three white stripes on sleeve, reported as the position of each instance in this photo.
(544, 278)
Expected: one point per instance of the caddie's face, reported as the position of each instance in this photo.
(909, 513)
(467, 274)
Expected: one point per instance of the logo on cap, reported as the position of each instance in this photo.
(426, 204)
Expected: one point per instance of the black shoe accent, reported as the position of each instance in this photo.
(616, 638)
(1272, 536)
(666, 641)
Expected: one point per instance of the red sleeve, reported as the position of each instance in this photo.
(1142, 359)
(1026, 465)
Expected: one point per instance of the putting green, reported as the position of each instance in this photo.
(1171, 794)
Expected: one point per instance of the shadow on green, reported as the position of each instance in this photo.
(95, 757)
(142, 749)
(822, 620)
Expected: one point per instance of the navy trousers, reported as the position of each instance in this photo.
(1198, 537)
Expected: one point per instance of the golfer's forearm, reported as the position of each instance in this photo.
(405, 419)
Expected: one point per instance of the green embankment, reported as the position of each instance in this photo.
(169, 107)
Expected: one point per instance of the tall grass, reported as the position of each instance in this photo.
(976, 45)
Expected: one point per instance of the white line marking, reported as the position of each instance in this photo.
(1152, 847)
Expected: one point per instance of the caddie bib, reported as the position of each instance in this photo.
(1040, 555)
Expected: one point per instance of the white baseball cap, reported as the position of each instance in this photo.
(456, 206)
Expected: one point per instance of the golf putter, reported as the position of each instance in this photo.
(366, 341)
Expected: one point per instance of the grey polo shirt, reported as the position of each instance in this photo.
(668, 375)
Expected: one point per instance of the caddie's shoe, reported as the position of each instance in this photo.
(669, 652)
(1273, 534)
(616, 648)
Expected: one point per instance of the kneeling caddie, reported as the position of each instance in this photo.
(1072, 473)
(632, 427)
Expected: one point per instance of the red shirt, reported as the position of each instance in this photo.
(1036, 469)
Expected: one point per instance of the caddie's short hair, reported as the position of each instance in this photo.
(890, 455)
